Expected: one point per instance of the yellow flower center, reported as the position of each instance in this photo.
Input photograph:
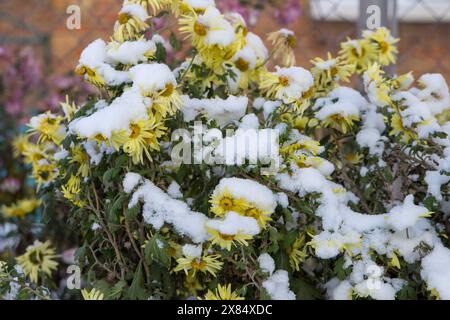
(200, 29)
(36, 257)
(241, 64)
(168, 90)
(124, 17)
(226, 203)
(334, 71)
(291, 41)
(284, 81)
(227, 237)
(384, 46)
(253, 213)
(198, 264)
(80, 71)
(135, 131)
(99, 137)
(308, 94)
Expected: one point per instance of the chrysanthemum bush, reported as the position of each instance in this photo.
(227, 178)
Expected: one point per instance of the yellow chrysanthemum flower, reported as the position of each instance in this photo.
(69, 109)
(91, 75)
(130, 25)
(142, 137)
(206, 264)
(72, 190)
(192, 284)
(226, 241)
(328, 72)
(297, 252)
(353, 157)
(213, 36)
(385, 44)
(224, 202)
(20, 144)
(166, 102)
(360, 53)
(376, 85)
(21, 208)
(155, 5)
(44, 172)
(93, 294)
(48, 126)
(284, 43)
(399, 129)
(186, 7)
(222, 293)
(80, 157)
(340, 122)
(311, 146)
(38, 258)
(261, 216)
(33, 153)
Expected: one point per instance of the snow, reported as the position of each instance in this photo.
(250, 190)
(131, 181)
(257, 46)
(192, 251)
(96, 151)
(94, 57)
(233, 224)
(405, 215)
(370, 138)
(130, 106)
(135, 10)
(282, 199)
(129, 52)
(341, 108)
(266, 263)
(277, 286)
(159, 208)
(220, 31)
(224, 111)
(269, 107)
(94, 54)
(174, 190)
(249, 121)
(299, 81)
(435, 271)
(435, 180)
(340, 291)
(248, 144)
(200, 4)
(151, 78)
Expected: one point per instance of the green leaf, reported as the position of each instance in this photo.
(305, 290)
(339, 269)
(290, 238)
(156, 250)
(113, 216)
(132, 212)
(282, 261)
(136, 290)
(116, 291)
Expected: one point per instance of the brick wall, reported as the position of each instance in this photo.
(42, 24)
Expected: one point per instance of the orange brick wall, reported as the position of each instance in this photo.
(424, 48)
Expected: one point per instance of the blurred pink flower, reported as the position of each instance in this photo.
(10, 184)
(288, 12)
